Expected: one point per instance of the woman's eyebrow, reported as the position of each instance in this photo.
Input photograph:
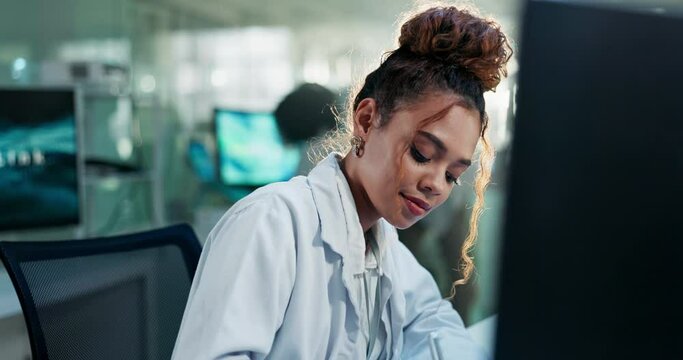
(439, 144)
(434, 139)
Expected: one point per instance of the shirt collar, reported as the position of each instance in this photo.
(332, 195)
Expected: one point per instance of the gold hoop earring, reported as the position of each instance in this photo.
(358, 145)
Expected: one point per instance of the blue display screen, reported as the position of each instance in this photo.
(38, 163)
(250, 149)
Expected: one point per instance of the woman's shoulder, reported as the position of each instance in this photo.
(293, 196)
(274, 208)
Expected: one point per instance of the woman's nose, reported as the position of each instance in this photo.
(432, 183)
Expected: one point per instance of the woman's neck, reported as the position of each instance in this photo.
(367, 214)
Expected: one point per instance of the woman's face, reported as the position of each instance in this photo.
(406, 170)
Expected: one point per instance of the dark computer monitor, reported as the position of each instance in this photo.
(39, 183)
(250, 150)
(593, 244)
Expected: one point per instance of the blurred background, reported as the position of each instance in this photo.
(159, 81)
(159, 127)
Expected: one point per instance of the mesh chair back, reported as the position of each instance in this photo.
(120, 297)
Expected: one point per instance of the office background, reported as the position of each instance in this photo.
(151, 74)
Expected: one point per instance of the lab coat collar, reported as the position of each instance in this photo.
(331, 192)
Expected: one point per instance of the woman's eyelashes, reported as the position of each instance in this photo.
(417, 155)
(421, 160)
(452, 180)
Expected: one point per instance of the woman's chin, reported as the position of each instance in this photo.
(402, 222)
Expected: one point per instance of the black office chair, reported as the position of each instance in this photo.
(118, 297)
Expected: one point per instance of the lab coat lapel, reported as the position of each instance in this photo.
(338, 222)
(332, 194)
(322, 180)
(396, 302)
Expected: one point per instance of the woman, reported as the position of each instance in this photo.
(312, 268)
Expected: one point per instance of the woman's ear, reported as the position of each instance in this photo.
(364, 117)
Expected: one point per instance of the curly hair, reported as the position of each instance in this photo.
(443, 49)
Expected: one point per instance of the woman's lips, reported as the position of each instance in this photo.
(416, 206)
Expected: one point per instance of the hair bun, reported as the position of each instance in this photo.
(460, 38)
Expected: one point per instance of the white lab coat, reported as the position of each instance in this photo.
(276, 281)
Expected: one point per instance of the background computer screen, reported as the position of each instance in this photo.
(38, 162)
(250, 149)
